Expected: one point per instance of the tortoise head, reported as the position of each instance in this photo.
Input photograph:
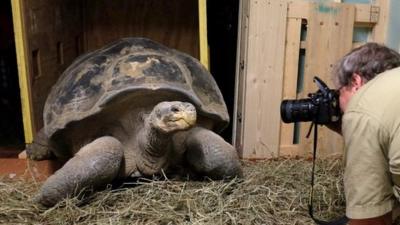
(173, 116)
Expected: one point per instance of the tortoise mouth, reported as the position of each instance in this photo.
(178, 124)
(184, 121)
(188, 121)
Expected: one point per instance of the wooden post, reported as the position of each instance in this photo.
(204, 52)
(241, 66)
(24, 83)
(292, 55)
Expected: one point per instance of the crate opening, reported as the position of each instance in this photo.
(11, 128)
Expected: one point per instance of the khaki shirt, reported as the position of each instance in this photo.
(371, 131)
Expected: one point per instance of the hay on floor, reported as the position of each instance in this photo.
(272, 192)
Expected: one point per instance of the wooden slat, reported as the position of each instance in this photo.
(329, 37)
(379, 32)
(292, 52)
(365, 13)
(264, 75)
(298, 9)
(241, 66)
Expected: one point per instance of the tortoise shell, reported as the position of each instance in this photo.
(126, 67)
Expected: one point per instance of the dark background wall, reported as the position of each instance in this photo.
(222, 18)
(11, 130)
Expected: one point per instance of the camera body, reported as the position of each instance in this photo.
(322, 107)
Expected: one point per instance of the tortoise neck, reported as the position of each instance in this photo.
(154, 142)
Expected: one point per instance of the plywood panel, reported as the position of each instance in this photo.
(52, 28)
(173, 23)
(263, 81)
(329, 37)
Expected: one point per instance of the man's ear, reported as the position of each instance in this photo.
(356, 81)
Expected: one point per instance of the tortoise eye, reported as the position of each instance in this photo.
(174, 109)
(158, 113)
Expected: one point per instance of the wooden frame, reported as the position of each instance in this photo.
(24, 16)
(53, 52)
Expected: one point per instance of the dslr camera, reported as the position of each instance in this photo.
(321, 107)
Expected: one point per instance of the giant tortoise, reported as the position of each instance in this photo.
(134, 108)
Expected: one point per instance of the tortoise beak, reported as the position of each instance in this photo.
(189, 114)
(185, 116)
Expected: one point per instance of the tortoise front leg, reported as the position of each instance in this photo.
(40, 148)
(210, 155)
(95, 165)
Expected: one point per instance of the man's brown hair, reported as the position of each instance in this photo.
(367, 61)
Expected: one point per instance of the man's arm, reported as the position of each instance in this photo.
(382, 220)
(367, 183)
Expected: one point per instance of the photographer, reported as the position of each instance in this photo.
(368, 80)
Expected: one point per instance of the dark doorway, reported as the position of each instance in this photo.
(11, 128)
(222, 22)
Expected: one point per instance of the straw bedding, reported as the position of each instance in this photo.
(272, 192)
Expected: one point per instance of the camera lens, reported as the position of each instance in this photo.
(297, 110)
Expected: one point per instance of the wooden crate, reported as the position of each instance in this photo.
(50, 34)
(274, 51)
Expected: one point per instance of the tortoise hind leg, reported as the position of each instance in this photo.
(95, 165)
(210, 155)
